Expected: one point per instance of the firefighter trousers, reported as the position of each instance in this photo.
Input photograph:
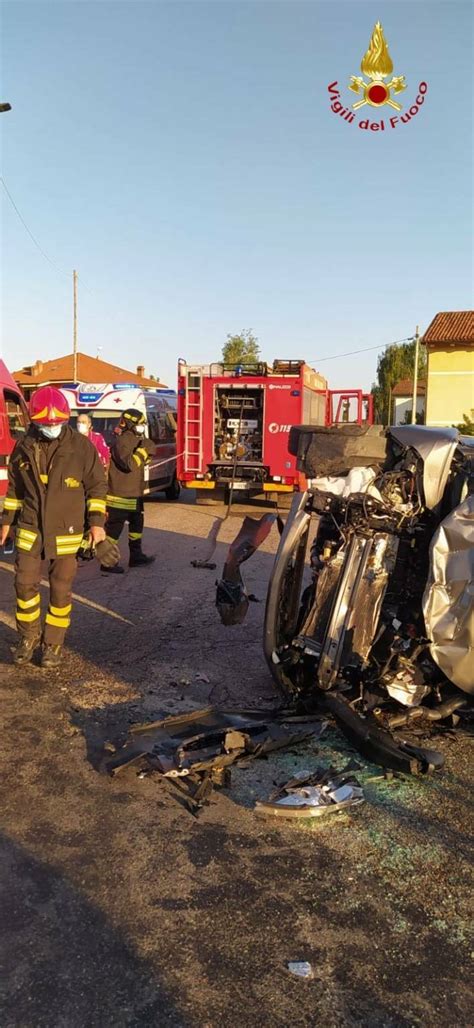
(61, 574)
(116, 518)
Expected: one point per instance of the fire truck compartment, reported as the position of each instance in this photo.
(238, 431)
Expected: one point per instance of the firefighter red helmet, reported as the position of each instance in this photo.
(48, 406)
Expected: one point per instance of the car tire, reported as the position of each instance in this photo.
(173, 491)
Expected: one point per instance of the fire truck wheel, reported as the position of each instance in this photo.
(173, 490)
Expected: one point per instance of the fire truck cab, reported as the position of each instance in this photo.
(14, 422)
(234, 422)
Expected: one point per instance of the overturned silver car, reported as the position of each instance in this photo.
(370, 605)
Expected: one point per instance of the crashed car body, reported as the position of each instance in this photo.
(382, 633)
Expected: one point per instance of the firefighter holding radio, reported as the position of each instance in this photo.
(130, 452)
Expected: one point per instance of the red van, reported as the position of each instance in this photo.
(14, 421)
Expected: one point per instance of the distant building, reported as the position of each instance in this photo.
(449, 342)
(60, 372)
(402, 402)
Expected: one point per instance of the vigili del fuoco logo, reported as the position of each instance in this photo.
(374, 91)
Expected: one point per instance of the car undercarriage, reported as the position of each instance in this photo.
(369, 611)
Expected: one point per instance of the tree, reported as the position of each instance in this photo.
(395, 363)
(467, 425)
(241, 349)
(419, 417)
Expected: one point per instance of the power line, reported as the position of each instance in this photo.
(350, 353)
(35, 241)
(53, 265)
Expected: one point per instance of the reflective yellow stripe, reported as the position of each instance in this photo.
(275, 487)
(22, 544)
(121, 503)
(137, 459)
(26, 534)
(57, 622)
(134, 535)
(96, 505)
(12, 504)
(25, 604)
(28, 617)
(44, 479)
(196, 483)
(69, 538)
(60, 612)
(141, 450)
(66, 551)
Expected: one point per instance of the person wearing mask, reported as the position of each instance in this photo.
(130, 452)
(54, 476)
(84, 426)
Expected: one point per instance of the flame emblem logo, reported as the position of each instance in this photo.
(377, 65)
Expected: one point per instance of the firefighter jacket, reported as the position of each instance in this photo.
(129, 454)
(56, 491)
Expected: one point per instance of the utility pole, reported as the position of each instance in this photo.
(74, 350)
(415, 378)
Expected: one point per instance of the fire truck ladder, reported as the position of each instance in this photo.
(193, 454)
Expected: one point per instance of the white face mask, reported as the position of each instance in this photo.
(50, 431)
(82, 428)
(141, 429)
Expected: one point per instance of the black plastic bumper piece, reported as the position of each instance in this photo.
(378, 745)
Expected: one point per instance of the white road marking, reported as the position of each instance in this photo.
(80, 599)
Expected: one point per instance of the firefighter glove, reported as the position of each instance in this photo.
(107, 553)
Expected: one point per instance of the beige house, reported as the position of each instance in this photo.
(449, 342)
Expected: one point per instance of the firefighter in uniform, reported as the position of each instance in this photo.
(55, 481)
(130, 452)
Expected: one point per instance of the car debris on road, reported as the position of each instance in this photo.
(194, 752)
(314, 795)
(207, 739)
(300, 968)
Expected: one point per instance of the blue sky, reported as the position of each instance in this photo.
(183, 157)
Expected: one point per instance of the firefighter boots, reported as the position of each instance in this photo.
(138, 560)
(25, 649)
(51, 656)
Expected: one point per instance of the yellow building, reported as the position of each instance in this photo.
(449, 342)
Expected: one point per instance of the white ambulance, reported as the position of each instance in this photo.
(105, 404)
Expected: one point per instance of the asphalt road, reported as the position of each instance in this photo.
(120, 908)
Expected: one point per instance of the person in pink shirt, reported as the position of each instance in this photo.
(84, 426)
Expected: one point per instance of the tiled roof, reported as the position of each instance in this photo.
(451, 327)
(405, 387)
(89, 369)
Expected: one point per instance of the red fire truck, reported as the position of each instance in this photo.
(13, 422)
(234, 420)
